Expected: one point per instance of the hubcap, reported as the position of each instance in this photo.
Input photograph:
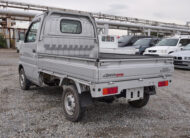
(70, 104)
(22, 78)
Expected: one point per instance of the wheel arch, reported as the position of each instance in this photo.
(68, 81)
(80, 86)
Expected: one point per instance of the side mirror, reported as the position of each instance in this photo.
(180, 45)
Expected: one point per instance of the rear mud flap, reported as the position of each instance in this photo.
(86, 99)
(151, 90)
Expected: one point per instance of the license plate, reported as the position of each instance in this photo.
(134, 94)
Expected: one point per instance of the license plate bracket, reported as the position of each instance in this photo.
(134, 94)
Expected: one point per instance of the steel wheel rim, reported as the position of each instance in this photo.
(70, 104)
(22, 77)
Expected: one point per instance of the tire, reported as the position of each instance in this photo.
(142, 53)
(24, 82)
(71, 103)
(50, 84)
(140, 103)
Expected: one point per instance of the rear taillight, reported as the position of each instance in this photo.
(162, 83)
(107, 91)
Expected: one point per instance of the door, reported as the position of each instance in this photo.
(183, 43)
(28, 52)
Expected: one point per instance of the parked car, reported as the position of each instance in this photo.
(62, 49)
(109, 44)
(128, 40)
(168, 45)
(19, 40)
(182, 58)
(143, 43)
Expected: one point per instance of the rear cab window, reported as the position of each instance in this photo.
(70, 26)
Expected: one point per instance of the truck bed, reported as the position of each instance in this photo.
(124, 56)
(110, 68)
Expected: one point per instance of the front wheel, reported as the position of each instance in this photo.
(71, 104)
(24, 82)
(140, 103)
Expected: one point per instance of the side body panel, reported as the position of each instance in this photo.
(107, 71)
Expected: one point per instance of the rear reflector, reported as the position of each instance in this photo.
(162, 83)
(120, 75)
(112, 90)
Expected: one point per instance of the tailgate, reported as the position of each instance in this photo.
(134, 69)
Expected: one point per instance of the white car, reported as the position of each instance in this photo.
(20, 39)
(182, 58)
(18, 44)
(168, 45)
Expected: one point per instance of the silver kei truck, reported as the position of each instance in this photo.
(62, 49)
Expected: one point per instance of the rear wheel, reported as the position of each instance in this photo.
(140, 103)
(71, 104)
(24, 82)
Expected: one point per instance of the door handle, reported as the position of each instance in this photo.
(34, 51)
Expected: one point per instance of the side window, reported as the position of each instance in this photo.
(155, 41)
(184, 42)
(134, 40)
(21, 36)
(70, 26)
(32, 32)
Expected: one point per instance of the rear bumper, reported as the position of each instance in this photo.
(97, 89)
(182, 64)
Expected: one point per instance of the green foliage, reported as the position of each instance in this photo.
(2, 42)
